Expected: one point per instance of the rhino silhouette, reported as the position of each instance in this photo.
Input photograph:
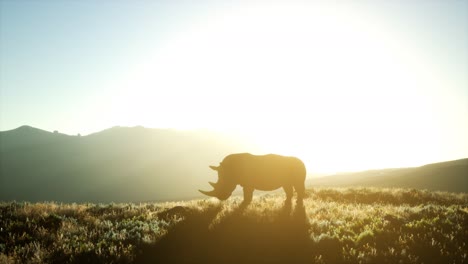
(258, 172)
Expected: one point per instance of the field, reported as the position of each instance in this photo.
(335, 225)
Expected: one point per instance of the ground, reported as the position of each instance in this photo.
(335, 225)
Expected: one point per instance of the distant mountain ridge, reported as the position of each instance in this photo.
(125, 164)
(116, 164)
(449, 176)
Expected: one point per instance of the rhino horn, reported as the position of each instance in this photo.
(213, 184)
(211, 193)
(214, 168)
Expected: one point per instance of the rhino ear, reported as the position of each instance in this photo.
(214, 168)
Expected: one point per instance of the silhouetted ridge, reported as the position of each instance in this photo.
(117, 164)
(459, 162)
(27, 130)
(442, 176)
(25, 138)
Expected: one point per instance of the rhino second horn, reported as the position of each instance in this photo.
(213, 184)
(211, 193)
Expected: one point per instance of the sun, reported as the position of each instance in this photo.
(308, 80)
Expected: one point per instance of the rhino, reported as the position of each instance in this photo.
(258, 172)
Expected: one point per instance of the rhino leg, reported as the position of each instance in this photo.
(300, 189)
(248, 194)
(288, 189)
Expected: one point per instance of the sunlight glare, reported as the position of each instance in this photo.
(318, 82)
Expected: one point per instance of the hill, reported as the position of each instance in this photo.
(120, 164)
(133, 164)
(335, 225)
(449, 176)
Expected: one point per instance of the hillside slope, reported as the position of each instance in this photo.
(335, 225)
(118, 164)
(449, 176)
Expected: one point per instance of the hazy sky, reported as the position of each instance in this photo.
(345, 85)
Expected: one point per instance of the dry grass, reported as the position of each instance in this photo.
(335, 225)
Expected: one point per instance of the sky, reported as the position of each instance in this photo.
(345, 85)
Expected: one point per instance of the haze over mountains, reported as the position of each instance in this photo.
(117, 164)
(123, 164)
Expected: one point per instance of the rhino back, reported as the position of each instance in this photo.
(264, 172)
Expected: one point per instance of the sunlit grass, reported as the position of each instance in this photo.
(336, 225)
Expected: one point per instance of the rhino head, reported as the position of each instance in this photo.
(225, 185)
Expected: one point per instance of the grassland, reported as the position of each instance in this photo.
(335, 225)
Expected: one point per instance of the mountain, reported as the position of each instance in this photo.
(132, 164)
(449, 176)
(118, 164)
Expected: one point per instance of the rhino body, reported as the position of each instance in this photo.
(259, 172)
